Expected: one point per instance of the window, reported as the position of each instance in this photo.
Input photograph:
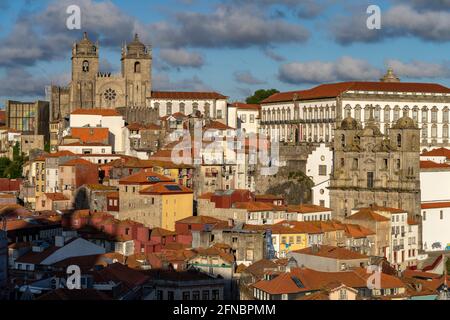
(424, 115)
(182, 107)
(205, 295)
(399, 164)
(434, 113)
(137, 67)
(170, 295)
(252, 118)
(424, 216)
(322, 170)
(168, 108)
(219, 114)
(243, 118)
(283, 240)
(441, 214)
(196, 295)
(342, 162)
(85, 67)
(215, 295)
(343, 140)
(399, 140)
(186, 295)
(159, 295)
(370, 181)
(343, 294)
(355, 163)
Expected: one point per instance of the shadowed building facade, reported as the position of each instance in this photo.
(371, 168)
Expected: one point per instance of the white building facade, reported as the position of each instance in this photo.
(311, 115)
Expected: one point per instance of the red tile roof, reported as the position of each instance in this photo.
(216, 125)
(91, 135)
(56, 196)
(333, 253)
(186, 95)
(433, 165)
(367, 214)
(76, 162)
(435, 205)
(305, 280)
(199, 220)
(139, 126)
(62, 153)
(253, 206)
(145, 176)
(246, 106)
(336, 89)
(97, 112)
(307, 208)
(166, 188)
(439, 152)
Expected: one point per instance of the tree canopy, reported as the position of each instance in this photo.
(260, 95)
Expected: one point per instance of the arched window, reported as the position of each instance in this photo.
(415, 114)
(434, 131)
(434, 114)
(348, 111)
(169, 108)
(445, 115)
(396, 113)
(424, 114)
(445, 131)
(85, 66)
(182, 107)
(387, 114)
(399, 140)
(194, 107)
(424, 131)
(343, 140)
(137, 67)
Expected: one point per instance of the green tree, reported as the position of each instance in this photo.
(47, 147)
(296, 189)
(4, 163)
(14, 168)
(261, 95)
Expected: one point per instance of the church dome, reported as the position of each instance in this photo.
(405, 122)
(349, 124)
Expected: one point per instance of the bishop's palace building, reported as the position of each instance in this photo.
(130, 91)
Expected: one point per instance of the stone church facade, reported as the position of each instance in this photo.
(129, 92)
(372, 168)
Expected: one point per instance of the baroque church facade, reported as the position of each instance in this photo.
(372, 168)
(130, 91)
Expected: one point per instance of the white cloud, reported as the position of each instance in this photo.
(182, 58)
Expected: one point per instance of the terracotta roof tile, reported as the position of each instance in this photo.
(90, 135)
(336, 89)
(435, 205)
(246, 106)
(433, 165)
(58, 196)
(97, 112)
(439, 152)
(145, 176)
(166, 188)
(307, 208)
(332, 252)
(76, 162)
(174, 95)
(367, 214)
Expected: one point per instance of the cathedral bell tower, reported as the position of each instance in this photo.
(85, 68)
(136, 70)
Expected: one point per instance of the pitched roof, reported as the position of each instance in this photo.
(76, 295)
(304, 280)
(76, 162)
(145, 176)
(166, 188)
(246, 106)
(216, 125)
(435, 205)
(57, 196)
(332, 252)
(97, 112)
(90, 135)
(307, 208)
(387, 209)
(334, 90)
(160, 232)
(439, 152)
(199, 220)
(174, 95)
(367, 214)
(253, 206)
(433, 165)
(139, 126)
(356, 231)
(62, 153)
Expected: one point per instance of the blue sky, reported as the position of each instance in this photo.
(230, 46)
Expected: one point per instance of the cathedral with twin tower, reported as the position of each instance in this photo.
(89, 88)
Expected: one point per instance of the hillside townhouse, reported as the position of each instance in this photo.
(75, 173)
(299, 283)
(244, 116)
(154, 200)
